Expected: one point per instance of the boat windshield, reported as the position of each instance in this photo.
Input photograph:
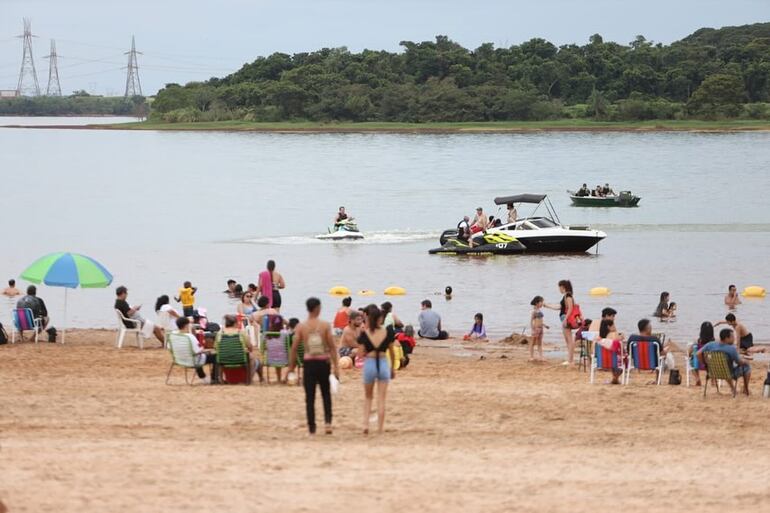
(543, 223)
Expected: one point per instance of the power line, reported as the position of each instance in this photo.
(133, 85)
(27, 64)
(54, 88)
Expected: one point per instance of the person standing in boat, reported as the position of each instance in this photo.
(512, 214)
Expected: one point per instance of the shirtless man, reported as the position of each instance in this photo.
(608, 314)
(745, 338)
(11, 290)
(259, 315)
(349, 339)
(732, 299)
(480, 221)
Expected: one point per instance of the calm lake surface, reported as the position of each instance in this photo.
(158, 208)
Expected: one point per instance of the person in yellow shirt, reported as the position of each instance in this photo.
(187, 298)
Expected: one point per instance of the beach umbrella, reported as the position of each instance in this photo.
(68, 270)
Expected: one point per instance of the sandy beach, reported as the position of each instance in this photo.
(87, 427)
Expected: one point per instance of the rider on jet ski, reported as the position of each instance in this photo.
(341, 218)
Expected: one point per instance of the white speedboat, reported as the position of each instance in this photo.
(347, 230)
(544, 234)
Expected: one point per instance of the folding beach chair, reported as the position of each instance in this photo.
(182, 355)
(644, 355)
(691, 362)
(606, 359)
(274, 344)
(123, 330)
(233, 360)
(718, 367)
(24, 320)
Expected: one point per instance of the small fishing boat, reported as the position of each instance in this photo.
(624, 199)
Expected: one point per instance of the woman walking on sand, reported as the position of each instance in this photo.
(375, 342)
(270, 284)
(567, 310)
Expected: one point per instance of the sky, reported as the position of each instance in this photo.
(187, 40)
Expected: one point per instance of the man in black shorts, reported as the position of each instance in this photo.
(745, 338)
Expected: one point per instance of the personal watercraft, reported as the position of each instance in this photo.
(346, 230)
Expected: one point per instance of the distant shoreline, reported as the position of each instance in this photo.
(432, 128)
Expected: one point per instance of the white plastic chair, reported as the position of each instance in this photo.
(123, 330)
(182, 355)
(24, 320)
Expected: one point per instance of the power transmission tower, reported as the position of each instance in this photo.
(133, 85)
(54, 88)
(28, 72)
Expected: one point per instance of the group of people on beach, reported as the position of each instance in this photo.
(736, 340)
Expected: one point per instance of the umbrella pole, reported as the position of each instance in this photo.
(64, 326)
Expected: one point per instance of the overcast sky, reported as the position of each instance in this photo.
(185, 40)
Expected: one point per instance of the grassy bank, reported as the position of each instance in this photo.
(502, 126)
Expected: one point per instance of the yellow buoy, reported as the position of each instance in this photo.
(339, 291)
(366, 292)
(754, 291)
(395, 291)
(600, 291)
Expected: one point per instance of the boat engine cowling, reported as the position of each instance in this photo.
(446, 235)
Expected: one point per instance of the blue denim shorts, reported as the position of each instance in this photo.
(372, 373)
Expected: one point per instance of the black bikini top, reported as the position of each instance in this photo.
(365, 341)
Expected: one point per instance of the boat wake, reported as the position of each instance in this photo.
(376, 237)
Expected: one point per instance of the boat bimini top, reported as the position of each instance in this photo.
(535, 199)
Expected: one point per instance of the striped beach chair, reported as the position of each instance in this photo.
(718, 367)
(644, 356)
(182, 355)
(606, 359)
(24, 320)
(233, 360)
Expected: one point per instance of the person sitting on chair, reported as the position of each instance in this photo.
(202, 357)
(39, 311)
(738, 364)
(132, 313)
(645, 335)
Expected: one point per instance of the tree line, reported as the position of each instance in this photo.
(713, 73)
(79, 103)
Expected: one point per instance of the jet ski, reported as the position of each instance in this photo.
(543, 234)
(346, 230)
(483, 244)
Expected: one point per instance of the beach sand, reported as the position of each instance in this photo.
(87, 427)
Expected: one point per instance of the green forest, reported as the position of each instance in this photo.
(711, 74)
(79, 103)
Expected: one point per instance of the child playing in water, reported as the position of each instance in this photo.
(536, 326)
(478, 331)
(187, 298)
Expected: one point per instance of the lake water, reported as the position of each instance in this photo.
(158, 208)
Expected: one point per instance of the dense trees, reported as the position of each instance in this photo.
(79, 103)
(711, 73)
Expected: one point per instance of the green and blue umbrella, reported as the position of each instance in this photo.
(69, 270)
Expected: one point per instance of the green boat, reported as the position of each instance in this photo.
(624, 199)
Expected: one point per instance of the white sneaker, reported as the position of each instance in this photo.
(206, 380)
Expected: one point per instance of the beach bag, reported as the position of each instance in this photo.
(575, 319)
(3, 335)
(51, 334)
(674, 378)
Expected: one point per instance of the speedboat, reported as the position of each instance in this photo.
(533, 234)
(346, 230)
(624, 199)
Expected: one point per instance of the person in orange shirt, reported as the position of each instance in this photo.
(342, 317)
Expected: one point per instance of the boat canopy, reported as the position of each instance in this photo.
(520, 198)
